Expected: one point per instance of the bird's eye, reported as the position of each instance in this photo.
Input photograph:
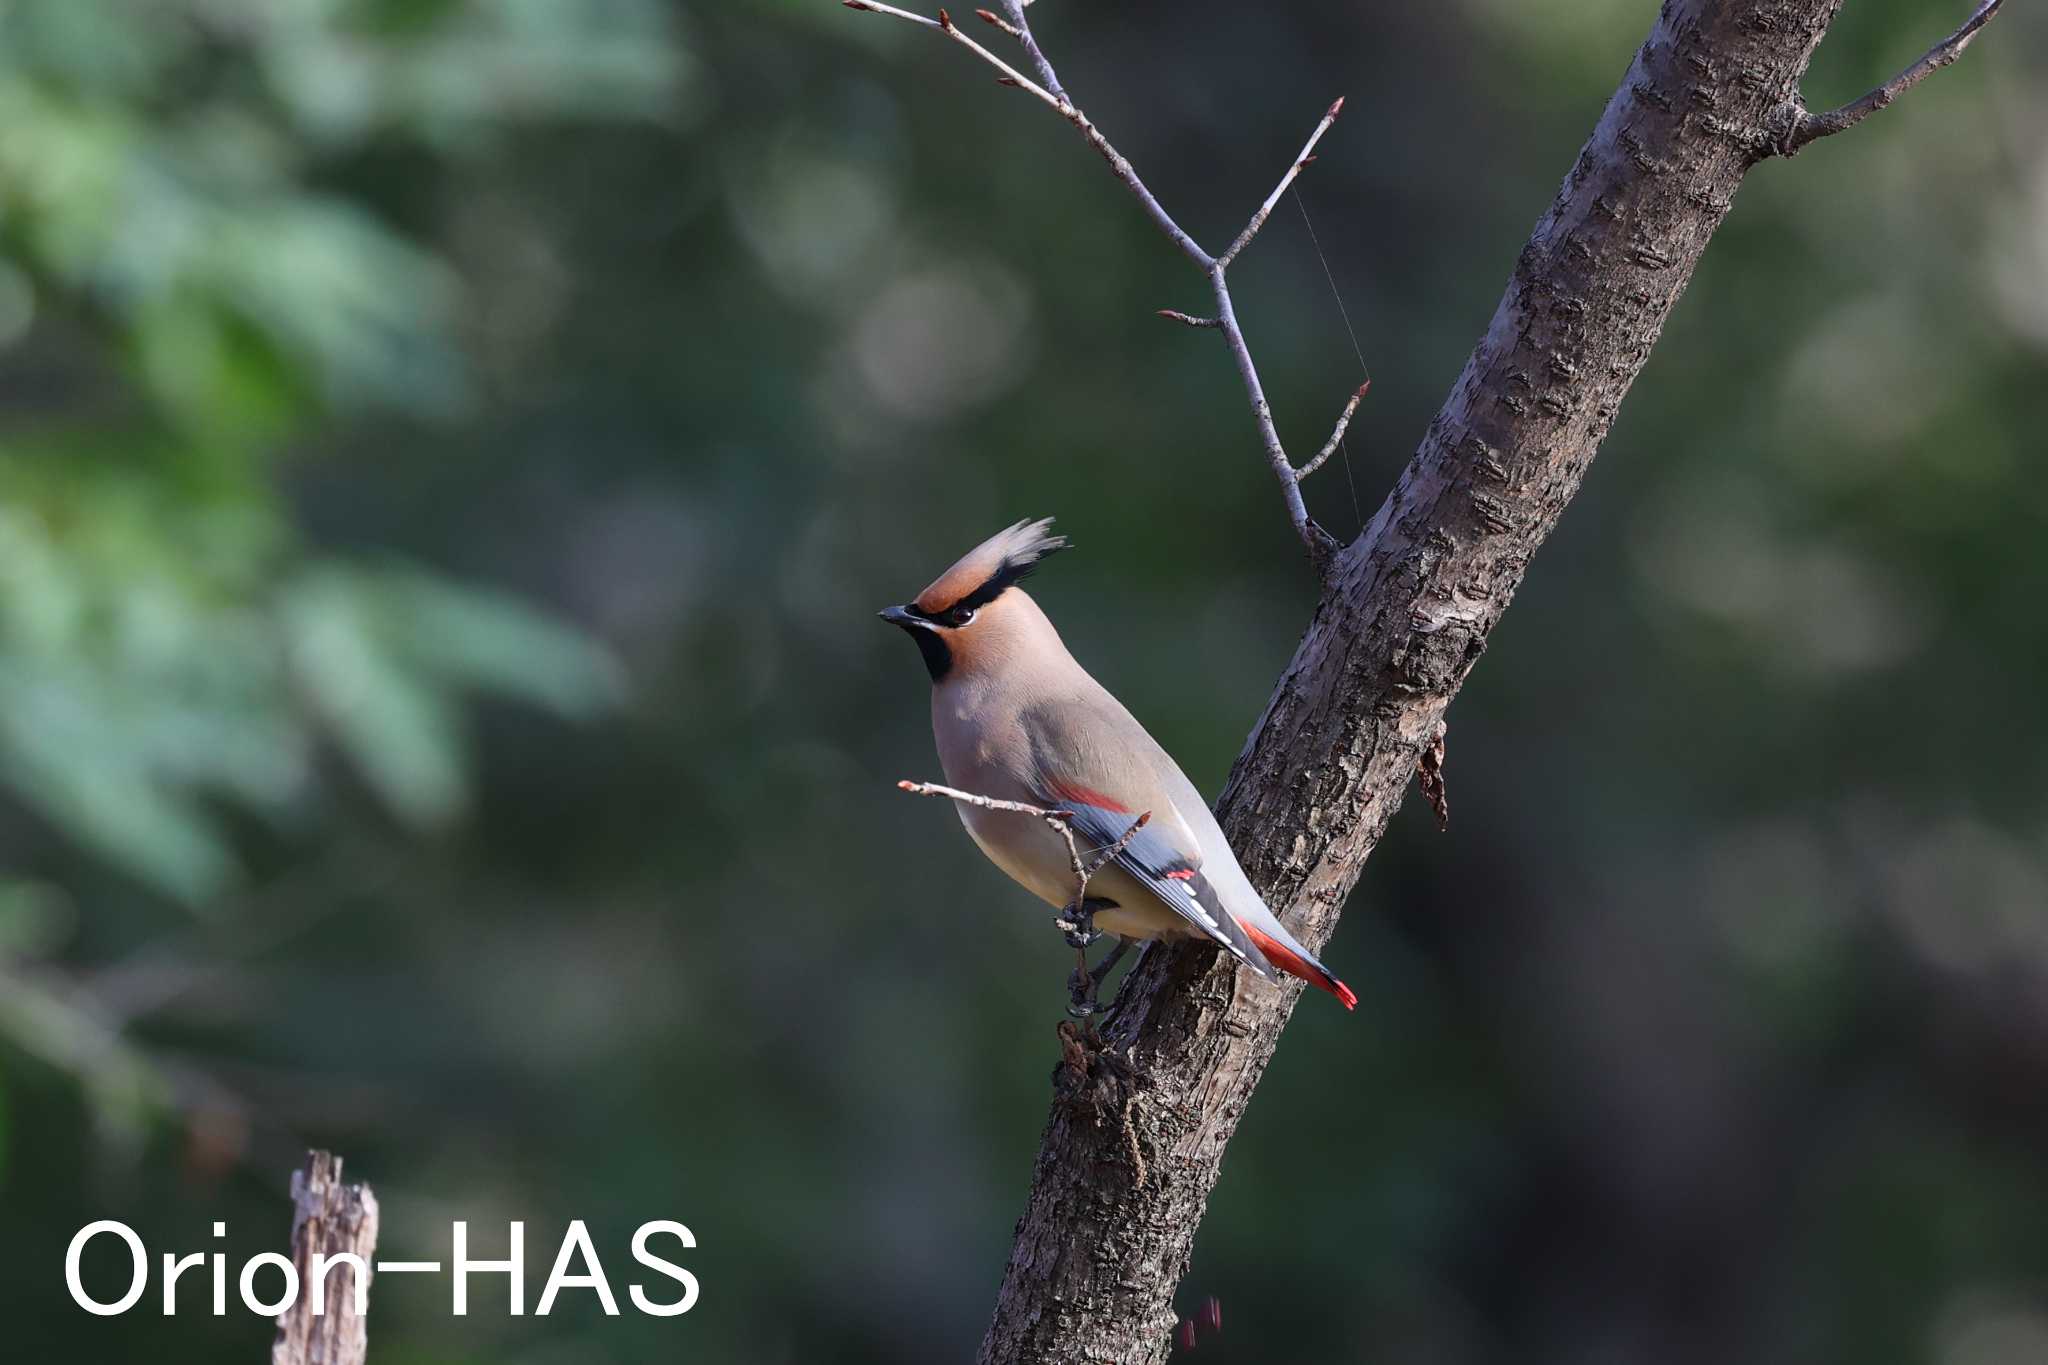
(959, 616)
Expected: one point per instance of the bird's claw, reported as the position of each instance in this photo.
(1078, 926)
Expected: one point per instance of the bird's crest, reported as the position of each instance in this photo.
(981, 575)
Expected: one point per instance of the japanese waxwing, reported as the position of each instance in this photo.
(1016, 718)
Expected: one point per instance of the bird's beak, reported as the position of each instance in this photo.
(899, 616)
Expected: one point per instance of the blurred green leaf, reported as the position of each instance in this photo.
(47, 1019)
(400, 733)
(169, 645)
(34, 917)
(483, 639)
(383, 653)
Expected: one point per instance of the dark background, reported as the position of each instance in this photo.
(452, 452)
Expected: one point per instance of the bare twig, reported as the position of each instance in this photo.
(1314, 539)
(1803, 127)
(1050, 814)
(1021, 30)
(1251, 229)
(1112, 852)
(944, 24)
(1061, 820)
(997, 21)
(1119, 165)
(1336, 434)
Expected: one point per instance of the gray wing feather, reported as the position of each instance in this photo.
(1169, 874)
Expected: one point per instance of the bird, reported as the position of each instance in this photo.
(1017, 718)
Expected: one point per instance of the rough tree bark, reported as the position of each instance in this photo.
(1139, 1126)
(329, 1219)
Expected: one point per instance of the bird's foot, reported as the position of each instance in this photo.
(1084, 986)
(1081, 998)
(1077, 924)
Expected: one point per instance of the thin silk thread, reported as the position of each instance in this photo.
(1344, 442)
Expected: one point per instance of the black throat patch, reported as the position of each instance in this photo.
(938, 660)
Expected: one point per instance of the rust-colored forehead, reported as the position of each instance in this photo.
(1007, 556)
(969, 573)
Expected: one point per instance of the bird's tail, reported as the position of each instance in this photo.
(1290, 957)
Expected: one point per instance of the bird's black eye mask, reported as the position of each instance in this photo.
(952, 618)
(929, 630)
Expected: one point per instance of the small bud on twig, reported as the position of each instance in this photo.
(1336, 436)
(1307, 155)
(997, 21)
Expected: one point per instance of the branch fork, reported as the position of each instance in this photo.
(1799, 126)
(1321, 546)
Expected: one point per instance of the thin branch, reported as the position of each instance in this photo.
(1251, 230)
(1804, 127)
(1112, 852)
(1119, 165)
(1061, 820)
(1314, 539)
(993, 19)
(1319, 543)
(1336, 435)
(944, 24)
(1050, 814)
(1020, 28)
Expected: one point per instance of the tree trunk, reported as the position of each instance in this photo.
(1139, 1127)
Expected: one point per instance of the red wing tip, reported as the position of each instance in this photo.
(1073, 791)
(1346, 997)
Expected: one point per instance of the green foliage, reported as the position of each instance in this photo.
(382, 653)
(168, 639)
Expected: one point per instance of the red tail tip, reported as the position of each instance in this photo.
(1294, 964)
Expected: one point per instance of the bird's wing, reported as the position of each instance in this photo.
(1108, 784)
(1171, 874)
